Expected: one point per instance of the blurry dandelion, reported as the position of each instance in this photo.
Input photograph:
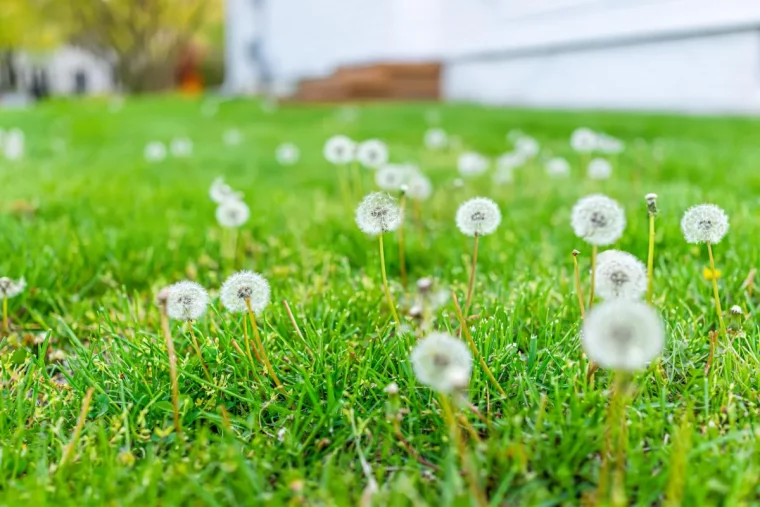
(391, 177)
(583, 140)
(186, 301)
(510, 161)
(287, 154)
(181, 147)
(620, 275)
(154, 151)
(476, 217)
(372, 154)
(436, 139)
(232, 213)
(609, 145)
(419, 187)
(442, 362)
(527, 146)
(339, 150)
(220, 192)
(599, 169)
(232, 137)
(9, 288)
(472, 164)
(557, 167)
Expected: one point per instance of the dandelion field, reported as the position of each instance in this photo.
(97, 231)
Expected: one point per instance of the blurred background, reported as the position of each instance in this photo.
(676, 55)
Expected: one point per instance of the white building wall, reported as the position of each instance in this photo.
(61, 67)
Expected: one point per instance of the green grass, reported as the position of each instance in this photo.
(97, 232)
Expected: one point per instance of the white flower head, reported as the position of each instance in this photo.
(339, 150)
(510, 160)
(419, 187)
(378, 213)
(287, 154)
(372, 153)
(478, 216)
(472, 164)
(221, 192)
(391, 177)
(232, 137)
(181, 147)
(599, 169)
(598, 220)
(609, 145)
(623, 335)
(442, 363)
(11, 288)
(232, 213)
(620, 275)
(557, 167)
(155, 151)
(584, 140)
(245, 285)
(187, 301)
(436, 139)
(527, 146)
(704, 223)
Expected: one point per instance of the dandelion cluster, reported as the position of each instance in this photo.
(598, 220)
(704, 223)
(442, 362)
(479, 216)
(378, 213)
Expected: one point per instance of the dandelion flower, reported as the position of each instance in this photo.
(557, 167)
(372, 153)
(478, 216)
(623, 335)
(391, 177)
(11, 288)
(419, 187)
(583, 140)
(599, 169)
(232, 137)
(527, 146)
(339, 150)
(245, 285)
(287, 154)
(187, 301)
(472, 164)
(232, 213)
(378, 213)
(442, 363)
(598, 220)
(221, 192)
(181, 147)
(510, 161)
(620, 275)
(436, 139)
(705, 223)
(609, 145)
(155, 151)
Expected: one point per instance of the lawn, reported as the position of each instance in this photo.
(97, 231)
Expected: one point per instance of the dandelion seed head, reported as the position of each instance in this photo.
(620, 275)
(339, 150)
(391, 177)
(232, 213)
(220, 191)
(583, 140)
(419, 187)
(623, 335)
(472, 164)
(557, 167)
(245, 285)
(599, 169)
(155, 151)
(11, 288)
(372, 153)
(598, 220)
(232, 137)
(737, 310)
(609, 145)
(181, 147)
(478, 216)
(442, 363)
(287, 154)
(187, 301)
(391, 389)
(510, 160)
(436, 139)
(378, 213)
(704, 223)
(527, 146)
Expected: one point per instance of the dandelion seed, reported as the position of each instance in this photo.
(419, 187)
(598, 220)
(584, 140)
(557, 167)
(287, 154)
(10, 288)
(339, 150)
(472, 164)
(232, 137)
(527, 147)
(242, 286)
(181, 147)
(620, 275)
(155, 151)
(599, 169)
(372, 154)
(623, 335)
(186, 301)
(479, 216)
(442, 363)
(232, 213)
(391, 177)
(378, 213)
(221, 192)
(436, 139)
(705, 223)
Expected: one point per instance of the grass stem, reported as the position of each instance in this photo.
(387, 288)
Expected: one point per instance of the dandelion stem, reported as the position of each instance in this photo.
(295, 326)
(471, 342)
(78, 428)
(401, 248)
(716, 294)
(172, 368)
(388, 295)
(650, 260)
(578, 288)
(5, 315)
(248, 346)
(260, 345)
(618, 488)
(594, 251)
(198, 350)
(471, 285)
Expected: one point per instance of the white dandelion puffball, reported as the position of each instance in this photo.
(442, 362)
(221, 192)
(620, 275)
(419, 187)
(391, 177)
(527, 146)
(557, 167)
(339, 150)
(155, 151)
(181, 147)
(14, 145)
(609, 145)
(584, 140)
(623, 335)
(436, 139)
(245, 285)
(378, 213)
(472, 164)
(232, 213)
(478, 216)
(372, 153)
(187, 301)
(287, 154)
(599, 169)
(232, 137)
(704, 223)
(510, 161)
(598, 220)
(11, 288)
